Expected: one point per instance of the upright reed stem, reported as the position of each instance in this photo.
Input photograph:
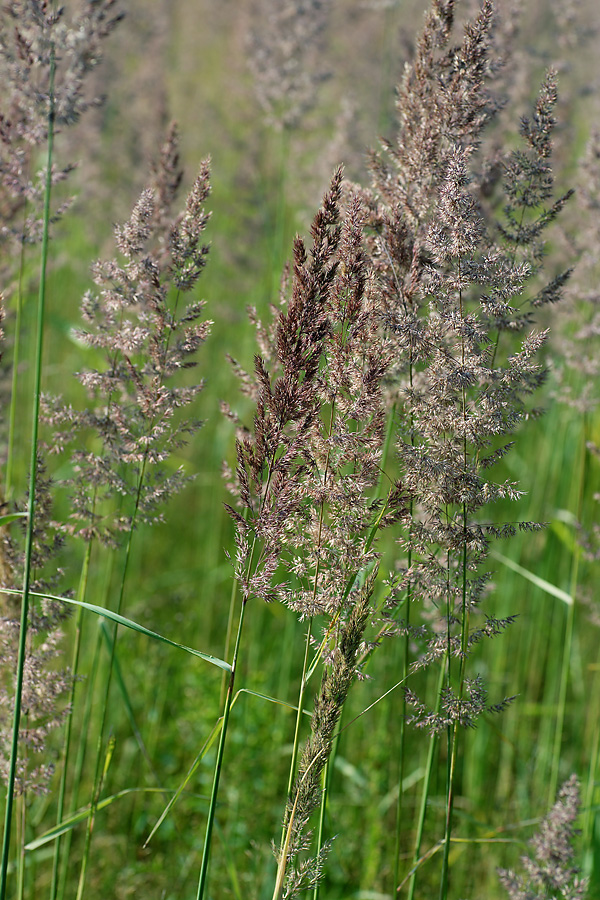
(423, 807)
(12, 415)
(568, 641)
(32, 488)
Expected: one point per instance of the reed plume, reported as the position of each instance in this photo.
(459, 289)
(305, 480)
(451, 280)
(36, 39)
(149, 336)
(550, 871)
(286, 59)
(136, 416)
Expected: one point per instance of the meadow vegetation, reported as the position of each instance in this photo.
(299, 449)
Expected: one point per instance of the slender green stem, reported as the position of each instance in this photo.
(98, 775)
(219, 760)
(80, 758)
(229, 635)
(453, 745)
(327, 776)
(281, 869)
(568, 640)
(453, 729)
(69, 726)
(32, 490)
(453, 732)
(405, 667)
(12, 415)
(227, 706)
(450, 741)
(301, 694)
(425, 794)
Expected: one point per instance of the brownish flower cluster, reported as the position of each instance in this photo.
(148, 336)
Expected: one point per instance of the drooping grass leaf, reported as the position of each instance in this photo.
(128, 623)
(83, 815)
(11, 517)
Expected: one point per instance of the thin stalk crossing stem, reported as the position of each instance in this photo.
(98, 775)
(69, 725)
(219, 761)
(425, 794)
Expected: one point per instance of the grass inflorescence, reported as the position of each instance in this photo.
(282, 683)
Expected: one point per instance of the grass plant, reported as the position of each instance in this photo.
(294, 693)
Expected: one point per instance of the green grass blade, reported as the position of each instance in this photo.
(11, 517)
(534, 579)
(128, 623)
(269, 699)
(205, 748)
(126, 700)
(83, 814)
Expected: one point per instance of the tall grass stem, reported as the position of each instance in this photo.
(425, 795)
(12, 412)
(568, 640)
(98, 778)
(31, 502)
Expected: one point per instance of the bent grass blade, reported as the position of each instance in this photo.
(534, 579)
(82, 815)
(128, 623)
(11, 517)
